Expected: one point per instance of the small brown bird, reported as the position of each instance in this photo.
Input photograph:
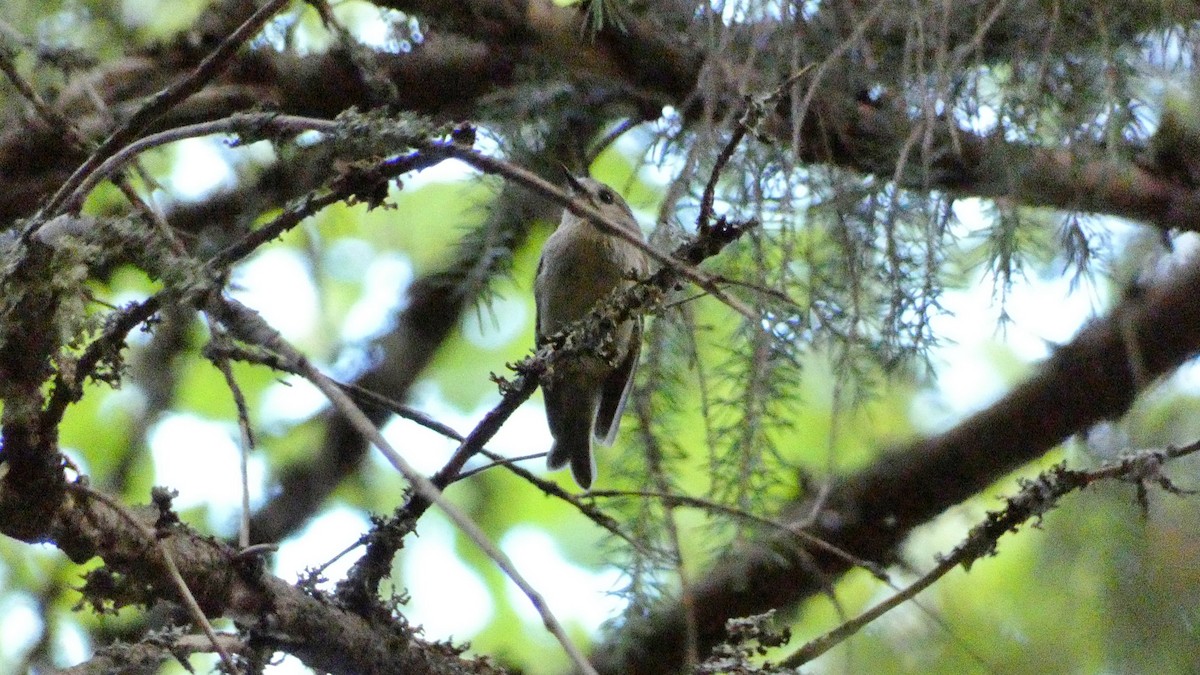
(580, 266)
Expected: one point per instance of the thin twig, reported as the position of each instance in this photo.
(404, 411)
(317, 571)
(363, 395)
(583, 208)
(48, 113)
(611, 137)
(66, 389)
(1035, 499)
(158, 105)
(761, 290)
(249, 326)
(497, 461)
(706, 505)
(704, 219)
(749, 119)
(57, 121)
(247, 433)
(237, 123)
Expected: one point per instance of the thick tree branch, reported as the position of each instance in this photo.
(839, 129)
(870, 513)
(474, 50)
(836, 129)
(442, 77)
(276, 614)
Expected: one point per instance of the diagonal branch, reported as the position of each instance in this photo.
(870, 513)
(168, 98)
(363, 580)
(248, 326)
(1035, 499)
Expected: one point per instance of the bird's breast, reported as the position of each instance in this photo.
(581, 266)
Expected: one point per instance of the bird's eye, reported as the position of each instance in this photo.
(607, 196)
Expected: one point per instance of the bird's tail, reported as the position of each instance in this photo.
(571, 420)
(579, 454)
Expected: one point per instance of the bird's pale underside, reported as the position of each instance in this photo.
(580, 266)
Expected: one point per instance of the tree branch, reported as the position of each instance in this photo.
(869, 513)
(1036, 498)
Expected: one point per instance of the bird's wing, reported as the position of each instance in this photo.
(537, 308)
(616, 390)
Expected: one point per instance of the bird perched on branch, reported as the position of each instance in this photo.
(581, 265)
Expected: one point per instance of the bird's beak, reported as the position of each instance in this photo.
(573, 183)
